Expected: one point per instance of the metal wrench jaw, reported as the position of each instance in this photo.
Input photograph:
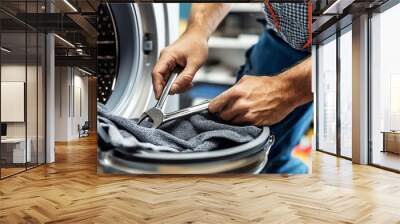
(158, 116)
(154, 114)
(142, 118)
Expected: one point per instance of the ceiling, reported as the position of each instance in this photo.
(74, 22)
(329, 16)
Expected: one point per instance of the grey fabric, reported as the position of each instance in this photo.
(200, 132)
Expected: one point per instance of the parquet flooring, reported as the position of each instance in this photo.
(70, 191)
(10, 171)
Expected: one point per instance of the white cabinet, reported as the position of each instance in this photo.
(17, 147)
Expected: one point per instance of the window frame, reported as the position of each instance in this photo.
(31, 30)
(333, 37)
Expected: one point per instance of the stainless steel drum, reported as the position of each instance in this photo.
(247, 158)
(133, 34)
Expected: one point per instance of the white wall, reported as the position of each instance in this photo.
(33, 126)
(82, 83)
(80, 94)
(12, 101)
(14, 73)
(62, 81)
(71, 87)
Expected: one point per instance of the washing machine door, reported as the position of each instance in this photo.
(140, 31)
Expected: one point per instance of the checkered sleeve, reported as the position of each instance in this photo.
(293, 23)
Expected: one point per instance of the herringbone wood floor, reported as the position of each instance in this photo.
(70, 191)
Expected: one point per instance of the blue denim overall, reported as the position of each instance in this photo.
(268, 57)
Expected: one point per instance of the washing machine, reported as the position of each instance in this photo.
(131, 36)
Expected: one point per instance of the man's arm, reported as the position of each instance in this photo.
(300, 76)
(191, 49)
(264, 100)
(205, 17)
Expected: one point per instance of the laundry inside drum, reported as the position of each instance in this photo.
(199, 144)
(201, 132)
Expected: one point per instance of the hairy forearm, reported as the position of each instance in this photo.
(205, 17)
(298, 79)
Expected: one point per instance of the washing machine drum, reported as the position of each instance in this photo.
(130, 39)
(119, 153)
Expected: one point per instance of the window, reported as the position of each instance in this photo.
(327, 95)
(346, 75)
(385, 89)
(22, 101)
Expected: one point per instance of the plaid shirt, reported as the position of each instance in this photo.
(292, 22)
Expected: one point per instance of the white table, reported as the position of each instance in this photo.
(18, 144)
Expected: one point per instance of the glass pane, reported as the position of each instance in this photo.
(31, 97)
(13, 86)
(41, 99)
(31, 86)
(385, 84)
(327, 96)
(346, 94)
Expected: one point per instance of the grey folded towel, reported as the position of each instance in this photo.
(199, 132)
